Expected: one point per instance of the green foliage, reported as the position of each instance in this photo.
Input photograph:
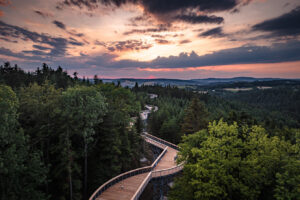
(195, 117)
(279, 106)
(73, 129)
(61, 137)
(116, 142)
(21, 169)
(16, 77)
(83, 109)
(165, 123)
(228, 162)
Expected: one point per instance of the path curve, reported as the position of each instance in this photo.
(131, 184)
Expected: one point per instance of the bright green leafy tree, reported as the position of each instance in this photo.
(228, 162)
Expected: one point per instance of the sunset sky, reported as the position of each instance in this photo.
(183, 39)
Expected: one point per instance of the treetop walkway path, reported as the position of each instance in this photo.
(131, 184)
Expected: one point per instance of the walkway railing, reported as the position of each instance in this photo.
(154, 142)
(119, 178)
(155, 174)
(152, 174)
(162, 141)
(166, 172)
(142, 187)
(125, 175)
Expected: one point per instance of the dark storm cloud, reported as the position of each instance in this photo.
(128, 45)
(185, 41)
(157, 36)
(7, 52)
(199, 19)
(8, 40)
(162, 41)
(214, 33)
(169, 10)
(141, 20)
(161, 6)
(159, 28)
(74, 33)
(276, 53)
(5, 2)
(76, 43)
(90, 4)
(43, 14)
(281, 52)
(285, 25)
(59, 24)
(40, 47)
(36, 52)
(58, 44)
(7, 30)
(97, 42)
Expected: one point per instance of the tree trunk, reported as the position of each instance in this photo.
(70, 165)
(70, 183)
(85, 169)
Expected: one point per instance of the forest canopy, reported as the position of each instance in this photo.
(62, 136)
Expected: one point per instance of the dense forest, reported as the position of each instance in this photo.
(235, 145)
(57, 131)
(62, 136)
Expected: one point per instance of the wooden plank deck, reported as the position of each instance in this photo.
(167, 160)
(126, 189)
(130, 186)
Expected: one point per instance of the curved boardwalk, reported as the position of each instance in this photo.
(130, 185)
(124, 189)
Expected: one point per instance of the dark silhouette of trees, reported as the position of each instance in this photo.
(22, 172)
(195, 118)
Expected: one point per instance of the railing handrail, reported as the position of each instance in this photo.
(129, 173)
(154, 142)
(118, 179)
(175, 168)
(141, 188)
(150, 176)
(141, 170)
(159, 158)
(181, 164)
(174, 146)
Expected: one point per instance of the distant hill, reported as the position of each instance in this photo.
(130, 82)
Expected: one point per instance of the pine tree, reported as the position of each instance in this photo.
(96, 80)
(195, 118)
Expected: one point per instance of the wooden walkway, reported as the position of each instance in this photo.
(167, 161)
(123, 190)
(126, 189)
